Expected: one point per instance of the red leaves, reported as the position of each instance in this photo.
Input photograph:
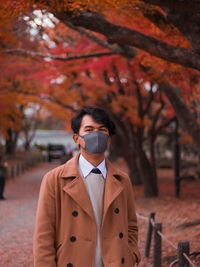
(112, 80)
(98, 65)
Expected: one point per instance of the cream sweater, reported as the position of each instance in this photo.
(95, 184)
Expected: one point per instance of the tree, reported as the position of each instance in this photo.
(163, 41)
(136, 110)
(158, 28)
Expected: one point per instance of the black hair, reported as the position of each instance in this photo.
(99, 115)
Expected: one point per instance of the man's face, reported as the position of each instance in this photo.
(88, 125)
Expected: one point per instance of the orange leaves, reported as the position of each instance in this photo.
(186, 139)
(127, 108)
(11, 116)
(110, 79)
(16, 92)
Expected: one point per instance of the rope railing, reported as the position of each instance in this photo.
(168, 241)
(142, 217)
(189, 260)
(183, 254)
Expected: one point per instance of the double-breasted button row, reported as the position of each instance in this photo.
(75, 213)
(69, 265)
(72, 238)
(116, 210)
(121, 235)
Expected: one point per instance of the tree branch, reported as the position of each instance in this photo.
(149, 101)
(185, 116)
(181, 5)
(158, 111)
(125, 36)
(139, 99)
(127, 51)
(164, 124)
(117, 79)
(49, 98)
(36, 54)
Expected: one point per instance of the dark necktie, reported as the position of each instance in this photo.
(96, 170)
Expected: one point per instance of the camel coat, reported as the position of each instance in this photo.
(65, 231)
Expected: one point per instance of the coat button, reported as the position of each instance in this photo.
(121, 235)
(75, 213)
(69, 265)
(122, 260)
(72, 238)
(117, 210)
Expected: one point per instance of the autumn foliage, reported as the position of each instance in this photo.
(125, 56)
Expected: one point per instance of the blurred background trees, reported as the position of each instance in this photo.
(138, 60)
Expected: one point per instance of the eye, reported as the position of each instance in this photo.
(105, 130)
(89, 130)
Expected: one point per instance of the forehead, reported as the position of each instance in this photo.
(87, 120)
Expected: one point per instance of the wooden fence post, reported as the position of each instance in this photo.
(157, 245)
(183, 247)
(149, 235)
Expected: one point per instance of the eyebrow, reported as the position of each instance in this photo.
(90, 126)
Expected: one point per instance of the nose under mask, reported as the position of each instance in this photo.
(95, 142)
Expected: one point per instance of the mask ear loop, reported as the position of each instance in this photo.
(82, 138)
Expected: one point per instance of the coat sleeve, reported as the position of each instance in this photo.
(132, 224)
(44, 236)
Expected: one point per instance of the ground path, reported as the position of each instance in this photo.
(18, 217)
(19, 208)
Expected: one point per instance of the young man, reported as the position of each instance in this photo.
(86, 214)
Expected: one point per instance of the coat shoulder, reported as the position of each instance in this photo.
(54, 172)
(68, 169)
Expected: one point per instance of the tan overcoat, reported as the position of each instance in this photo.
(65, 231)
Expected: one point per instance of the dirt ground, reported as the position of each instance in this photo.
(171, 212)
(18, 216)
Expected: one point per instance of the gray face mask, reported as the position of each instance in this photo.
(95, 142)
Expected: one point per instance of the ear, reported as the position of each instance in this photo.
(76, 138)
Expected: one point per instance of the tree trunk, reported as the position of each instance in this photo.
(186, 118)
(130, 148)
(148, 177)
(135, 175)
(153, 158)
(11, 142)
(118, 148)
(10, 147)
(27, 146)
(114, 148)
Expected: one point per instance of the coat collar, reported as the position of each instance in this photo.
(71, 169)
(76, 188)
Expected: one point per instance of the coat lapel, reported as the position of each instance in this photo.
(77, 191)
(75, 187)
(113, 187)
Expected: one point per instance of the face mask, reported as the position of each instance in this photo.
(95, 142)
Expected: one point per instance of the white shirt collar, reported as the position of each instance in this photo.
(86, 167)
